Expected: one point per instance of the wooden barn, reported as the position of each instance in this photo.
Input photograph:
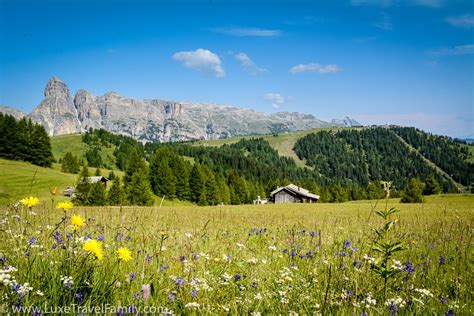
(293, 194)
(96, 179)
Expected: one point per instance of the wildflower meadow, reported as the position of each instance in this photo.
(357, 258)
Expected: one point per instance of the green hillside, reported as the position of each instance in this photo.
(73, 143)
(283, 143)
(19, 179)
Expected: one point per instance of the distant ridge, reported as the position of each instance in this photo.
(160, 120)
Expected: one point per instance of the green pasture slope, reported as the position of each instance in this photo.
(19, 179)
(282, 142)
(62, 144)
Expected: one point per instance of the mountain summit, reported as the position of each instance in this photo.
(160, 120)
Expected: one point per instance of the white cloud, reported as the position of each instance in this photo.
(276, 99)
(314, 67)
(248, 64)
(453, 51)
(384, 23)
(464, 21)
(246, 31)
(201, 60)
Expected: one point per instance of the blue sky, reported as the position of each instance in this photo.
(408, 62)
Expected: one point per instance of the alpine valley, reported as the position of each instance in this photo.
(158, 120)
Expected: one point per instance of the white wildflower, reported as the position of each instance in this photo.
(252, 260)
(424, 292)
(192, 305)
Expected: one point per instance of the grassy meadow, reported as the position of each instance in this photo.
(249, 259)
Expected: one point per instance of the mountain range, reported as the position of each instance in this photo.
(159, 120)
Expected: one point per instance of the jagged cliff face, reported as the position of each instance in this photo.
(157, 120)
(57, 112)
(10, 111)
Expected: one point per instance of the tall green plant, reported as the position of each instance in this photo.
(386, 245)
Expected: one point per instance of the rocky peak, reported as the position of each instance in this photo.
(11, 111)
(56, 87)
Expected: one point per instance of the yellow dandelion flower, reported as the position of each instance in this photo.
(64, 206)
(94, 247)
(77, 221)
(29, 201)
(124, 254)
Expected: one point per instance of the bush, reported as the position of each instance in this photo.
(413, 192)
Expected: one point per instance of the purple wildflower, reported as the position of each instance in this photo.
(100, 238)
(69, 235)
(182, 258)
(31, 240)
(450, 313)
(171, 296)
(120, 311)
(132, 309)
(4, 259)
(409, 267)
(136, 296)
(347, 244)
(118, 237)
(148, 258)
(444, 300)
(164, 267)
(132, 276)
(79, 297)
(312, 234)
(194, 293)
(57, 237)
(237, 277)
(357, 264)
(441, 260)
(180, 281)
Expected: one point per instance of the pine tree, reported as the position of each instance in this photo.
(116, 195)
(41, 147)
(181, 171)
(83, 188)
(111, 175)
(413, 193)
(196, 183)
(97, 194)
(93, 157)
(138, 189)
(136, 180)
(97, 172)
(69, 163)
(164, 181)
(431, 186)
(135, 162)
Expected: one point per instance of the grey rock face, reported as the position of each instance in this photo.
(10, 111)
(57, 112)
(346, 121)
(158, 120)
